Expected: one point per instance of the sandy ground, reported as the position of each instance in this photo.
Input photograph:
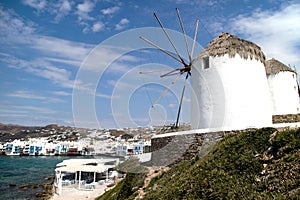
(73, 193)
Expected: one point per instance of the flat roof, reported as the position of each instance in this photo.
(84, 165)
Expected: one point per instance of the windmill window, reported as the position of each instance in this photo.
(205, 62)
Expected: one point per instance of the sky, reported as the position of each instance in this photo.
(78, 63)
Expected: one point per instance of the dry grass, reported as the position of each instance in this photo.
(273, 66)
(226, 43)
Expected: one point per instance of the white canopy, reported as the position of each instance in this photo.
(84, 165)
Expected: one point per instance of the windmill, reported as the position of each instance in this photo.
(185, 70)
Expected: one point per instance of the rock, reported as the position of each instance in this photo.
(12, 185)
(110, 185)
(23, 186)
(33, 186)
(155, 187)
(50, 177)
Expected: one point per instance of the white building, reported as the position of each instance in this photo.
(229, 86)
(77, 173)
(283, 86)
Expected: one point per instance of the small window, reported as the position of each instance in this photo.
(205, 62)
(293, 75)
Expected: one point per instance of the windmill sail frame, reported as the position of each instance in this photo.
(186, 69)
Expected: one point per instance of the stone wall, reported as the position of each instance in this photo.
(290, 118)
(169, 150)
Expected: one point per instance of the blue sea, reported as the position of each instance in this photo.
(15, 170)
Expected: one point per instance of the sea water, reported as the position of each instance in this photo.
(16, 171)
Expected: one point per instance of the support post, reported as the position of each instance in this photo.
(79, 180)
(94, 177)
(106, 175)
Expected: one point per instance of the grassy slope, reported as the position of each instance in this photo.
(126, 189)
(258, 164)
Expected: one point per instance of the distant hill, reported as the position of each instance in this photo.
(257, 164)
(14, 128)
(9, 132)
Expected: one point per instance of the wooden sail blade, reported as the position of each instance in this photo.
(154, 71)
(184, 34)
(166, 90)
(181, 100)
(170, 72)
(161, 49)
(169, 38)
(195, 37)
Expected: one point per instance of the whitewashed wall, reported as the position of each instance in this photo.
(231, 94)
(284, 93)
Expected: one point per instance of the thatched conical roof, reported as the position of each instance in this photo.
(274, 66)
(226, 43)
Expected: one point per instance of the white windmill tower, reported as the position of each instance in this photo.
(283, 86)
(228, 82)
(230, 86)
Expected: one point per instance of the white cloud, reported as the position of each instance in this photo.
(25, 94)
(59, 8)
(277, 32)
(41, 68)
(12, 25)
(109, 11)
(55, 54)
(122, 24)
(86, 28)
(100, 58)
(172, 105)
(62, 93)
(71, 62)
(86, 6)
(56, 75)
(84, 9)
(64, 8)
(61, 48)
(35, 109)
(103, 95)
(17, 31)
(39, 5)
(98, 26)
(28, 95)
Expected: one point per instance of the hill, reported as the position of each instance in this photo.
(257, 164)
(10, 132)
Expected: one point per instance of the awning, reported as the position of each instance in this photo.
(84, 165)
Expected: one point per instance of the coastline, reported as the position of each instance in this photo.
(47, 192)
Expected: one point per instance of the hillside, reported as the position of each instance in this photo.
(10, 132)
(257, 164)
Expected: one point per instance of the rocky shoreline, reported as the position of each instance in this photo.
(45, 187)
(47, 191)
